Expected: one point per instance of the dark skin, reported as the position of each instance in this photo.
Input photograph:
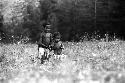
(44, 41)
(57, 40)
(41, 43)
(57, 46)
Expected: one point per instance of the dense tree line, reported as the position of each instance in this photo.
(72, 18)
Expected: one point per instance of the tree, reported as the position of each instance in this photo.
(2, 31)
(69, 17)
(75, 16)
(48, 10)
(36, 17)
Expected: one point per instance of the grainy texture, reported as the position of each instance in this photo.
(86, 62)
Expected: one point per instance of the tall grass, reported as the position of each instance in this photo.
(87, 62)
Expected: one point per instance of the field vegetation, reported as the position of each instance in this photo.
(86, 62)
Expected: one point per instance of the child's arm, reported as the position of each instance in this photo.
(40, 43)
(51, 46)
(62, 46)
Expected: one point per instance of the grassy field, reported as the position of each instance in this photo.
(86, 62)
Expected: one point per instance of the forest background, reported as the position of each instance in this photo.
(74, 19)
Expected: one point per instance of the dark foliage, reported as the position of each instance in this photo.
(2, 31)
(73, 18)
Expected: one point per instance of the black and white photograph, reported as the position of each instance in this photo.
(62, 41)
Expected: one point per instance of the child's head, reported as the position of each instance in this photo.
(48, 28)
(57, 39)
(56, 36)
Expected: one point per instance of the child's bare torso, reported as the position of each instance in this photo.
(57, 47)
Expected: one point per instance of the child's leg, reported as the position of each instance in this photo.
(59, 51)
(41, 52)
(56, 55)
(47, 54)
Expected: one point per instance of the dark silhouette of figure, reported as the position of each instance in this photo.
(44, 43)
(57, 45)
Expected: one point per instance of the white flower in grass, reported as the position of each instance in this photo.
(93, 54)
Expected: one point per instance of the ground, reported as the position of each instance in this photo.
(86, 62)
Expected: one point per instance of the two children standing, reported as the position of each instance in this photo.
(49, 42)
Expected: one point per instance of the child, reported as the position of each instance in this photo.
(44, 43)
(57, 45)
